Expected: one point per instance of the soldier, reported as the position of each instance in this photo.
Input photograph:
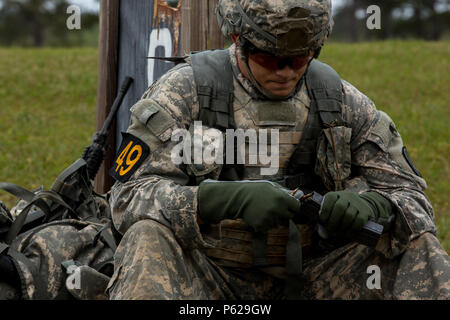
(225, 231)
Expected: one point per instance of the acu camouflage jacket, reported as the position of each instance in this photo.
(159, 189)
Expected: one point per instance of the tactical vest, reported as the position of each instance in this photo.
(214, 82)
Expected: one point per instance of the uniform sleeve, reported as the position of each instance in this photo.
(159, 188)
(380, 163)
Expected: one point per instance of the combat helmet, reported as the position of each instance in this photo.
(281, 27)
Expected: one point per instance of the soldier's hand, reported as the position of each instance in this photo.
(262, 204)
(344, 211)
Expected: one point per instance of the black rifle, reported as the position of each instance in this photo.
(311, 204)
(93, 155)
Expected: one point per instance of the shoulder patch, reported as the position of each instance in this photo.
(382, 128)
(152, 115)
(132, 153)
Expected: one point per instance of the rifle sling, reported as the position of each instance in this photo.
(18, 223)
(24, 194)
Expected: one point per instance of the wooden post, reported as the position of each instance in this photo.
(199, 31)
(107, 82)
(191, 28)
(216, 38)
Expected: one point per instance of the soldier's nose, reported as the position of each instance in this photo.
(286, 73)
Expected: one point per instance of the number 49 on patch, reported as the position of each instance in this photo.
(132, 153)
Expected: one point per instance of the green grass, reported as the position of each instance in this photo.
(410, 81)
(48, 109)
(47, 113)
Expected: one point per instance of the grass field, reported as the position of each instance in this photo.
(47, 108)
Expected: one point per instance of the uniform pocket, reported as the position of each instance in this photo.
(155, 118)
(333, 162)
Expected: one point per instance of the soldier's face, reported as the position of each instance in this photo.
(277, 75)
(279, 78)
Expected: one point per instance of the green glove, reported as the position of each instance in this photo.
(262, 204)
(347, 211)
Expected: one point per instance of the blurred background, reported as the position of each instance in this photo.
(37, 23)
(42, 23)
(400, 19)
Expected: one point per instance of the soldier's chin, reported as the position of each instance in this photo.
(280, 90)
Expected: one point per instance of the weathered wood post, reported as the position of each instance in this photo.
(132, 30)
(107, 80)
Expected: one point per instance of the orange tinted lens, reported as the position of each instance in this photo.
(275, 63)
(299, 62)
(265, 60)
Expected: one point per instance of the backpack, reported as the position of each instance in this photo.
(50, 233)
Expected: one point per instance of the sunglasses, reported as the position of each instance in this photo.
(274, 63)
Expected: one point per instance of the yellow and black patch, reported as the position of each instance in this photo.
(132, 153)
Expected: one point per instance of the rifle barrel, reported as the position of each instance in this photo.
(117, 102)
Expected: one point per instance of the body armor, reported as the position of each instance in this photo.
(224, 104)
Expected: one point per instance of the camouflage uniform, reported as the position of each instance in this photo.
(39, 256)
(45, 255)
(163, 253)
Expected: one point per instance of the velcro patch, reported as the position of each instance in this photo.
(157, 120)
(132, 153)
(278, 113)
(382, 128)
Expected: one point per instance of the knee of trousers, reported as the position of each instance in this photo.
(147, 229)
(145, 236)
(147, 225)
